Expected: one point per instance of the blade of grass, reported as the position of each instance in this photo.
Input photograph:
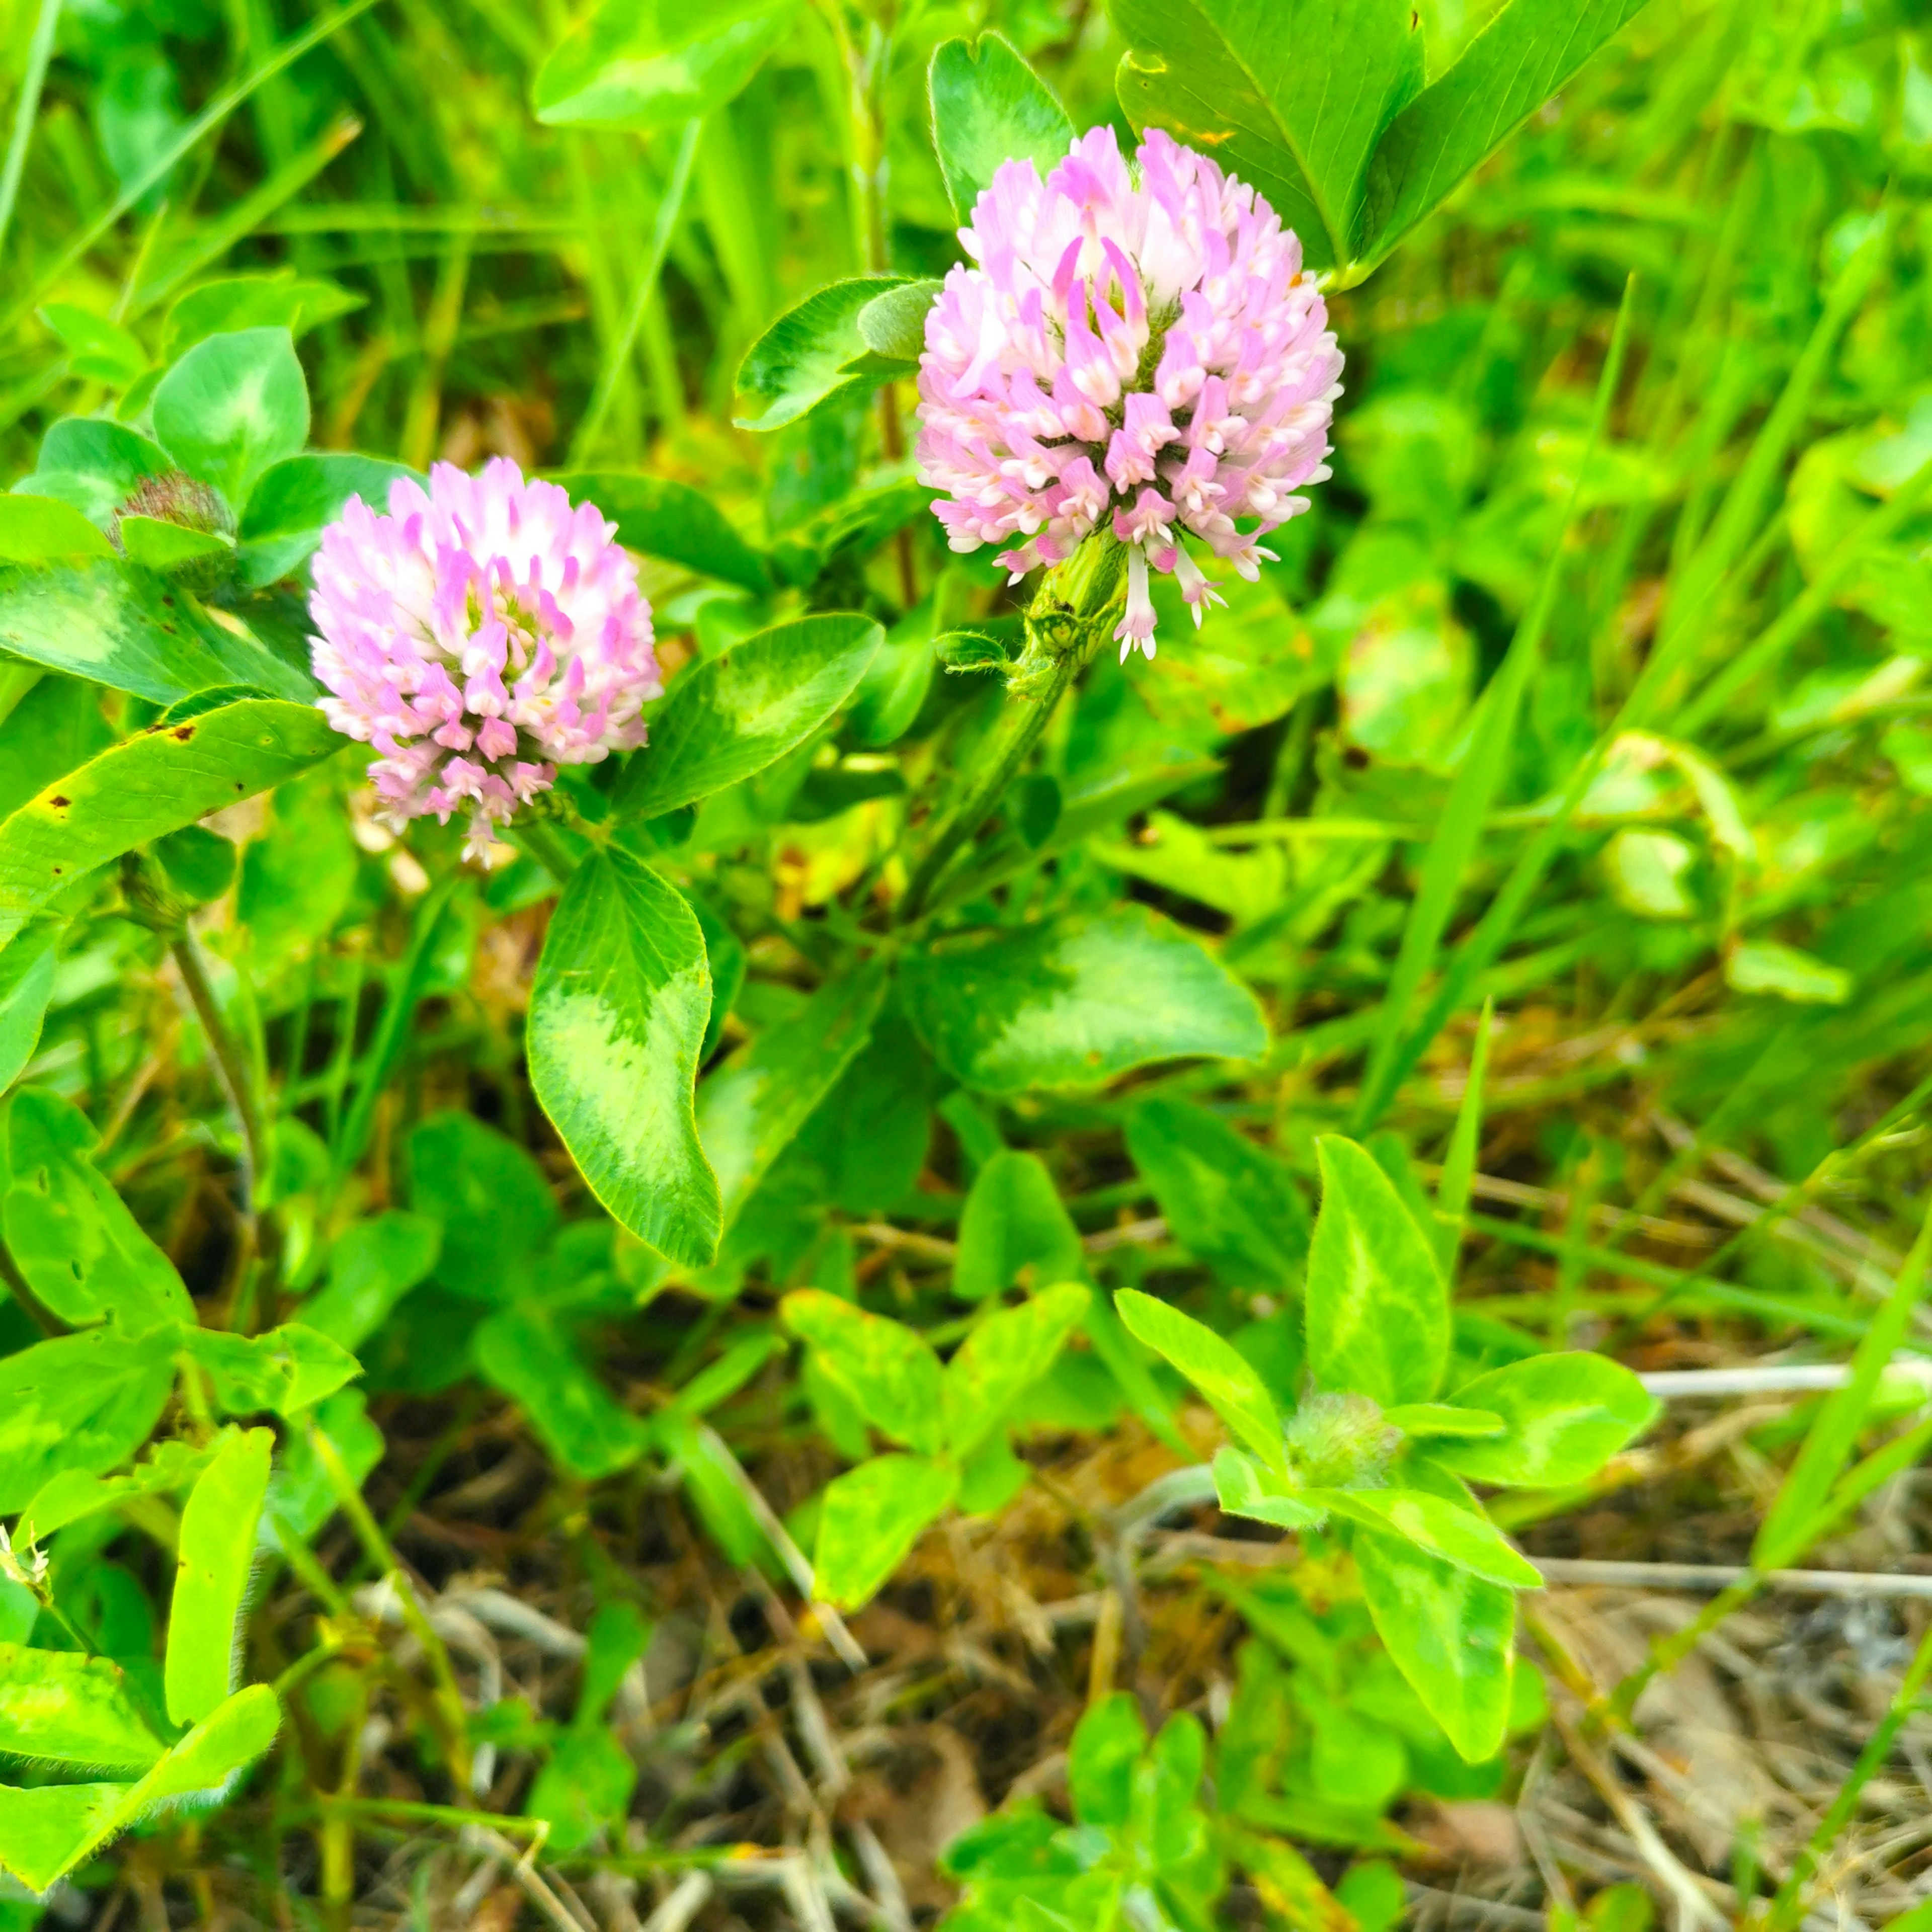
(40, 53)
(1779, 1310)
(622, 345)
(1484, 767)
(1674, 648)
(243, 217)
(1805, 610)
(211, 117)
(1834, 1433)
(1459, 1164)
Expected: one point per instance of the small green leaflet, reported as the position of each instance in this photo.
(47, 1830)
(218, 1550)
(1452, 1635)
(870, 1518)
(988, 107)
(1219, 1370)
(165, 777)
(618, 1014)
(1378, 1312)
(1075, 1002)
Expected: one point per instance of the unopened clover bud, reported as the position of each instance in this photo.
(1340, 1441)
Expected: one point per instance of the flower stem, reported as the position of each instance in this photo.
(1022, 733)
(1069, 613)
(229, 1062)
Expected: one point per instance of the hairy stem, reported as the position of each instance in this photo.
(1022, 733)
(232, 1066)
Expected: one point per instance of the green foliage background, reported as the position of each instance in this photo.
(1591, 691)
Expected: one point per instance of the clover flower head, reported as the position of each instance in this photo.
(479, 635)
(1137, 349)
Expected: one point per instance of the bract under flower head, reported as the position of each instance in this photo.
(480, 635)
(1135, 346)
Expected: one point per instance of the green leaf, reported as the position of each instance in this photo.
(1464, 1537)
(1108, 1743)
(617, 1638)
(646, 63)
(26, 985)
(1769, 966)
(1833, 1436)
(892, 328)
(661, 518)
(1076, 1001)
(47, 1830)
(749, 1109)
(278, 300)
(1445, 1422)
(617, 1017)
(1528, 50)
(883, 1367)
(487, 1196)
(165, 777)
(301, 1498)
(989, 106)
(234, 404)
(1378, 1312)
(867, 1141)
(1216, 1367)
(82, 1402)
(297, 497)
(199, 863)
(217, 1552)
(575, 1417)
(1003, 1356)
(74, 1494)
(133, 631)
(1565, 1416)
(868, 1520)
(585, 1789)
(58, 1708)
(1243, 1486)
(990, 1475)
(1291, 95)
(288, 1369)
(44, 529)
(1451, 1634)
(1014, 1228)
(1229, 1202)
(93, 463)
(813, 353)
(373, 1265)
(156, 544)
(98, 350)
(746, 708)
(82, 1253)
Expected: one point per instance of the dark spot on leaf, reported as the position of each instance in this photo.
(57, 871)
(183, 732)
(167, 603)
(239, 786)
(60, 804)
(171, 631)
(1355, 758)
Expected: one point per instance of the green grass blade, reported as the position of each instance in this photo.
(1459, 1164)
(1829, 1441)
(1479, 775)
(40, 53)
